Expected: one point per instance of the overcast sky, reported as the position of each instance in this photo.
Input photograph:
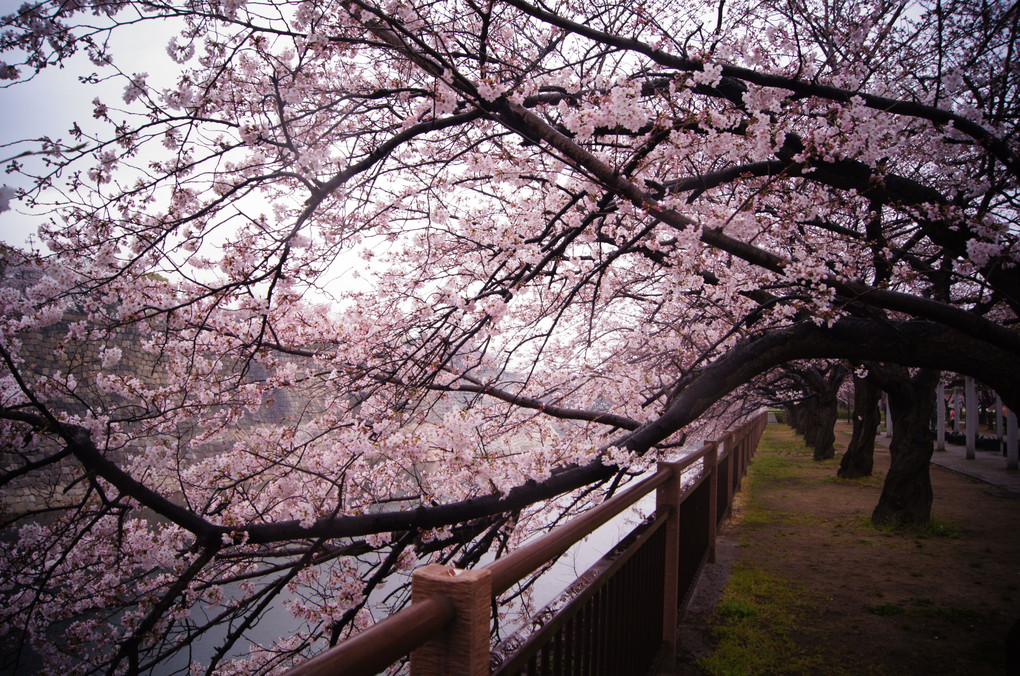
(51, 103)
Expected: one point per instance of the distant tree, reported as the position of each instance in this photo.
(859, 458)
(816, 406)
(410, 280)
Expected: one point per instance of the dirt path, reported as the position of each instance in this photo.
(815, 589)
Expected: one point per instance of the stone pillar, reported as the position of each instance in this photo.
(971, 411)
(1011, 440)
(888, 416)
(464, 647)
(956, 410)
(940, 419)
(998, 419)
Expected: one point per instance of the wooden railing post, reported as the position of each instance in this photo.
(463, 649)
(745, 447)
(449, 618)
(712, 476)
(667, 499)
(728, 448)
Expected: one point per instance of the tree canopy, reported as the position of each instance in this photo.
(378, 282)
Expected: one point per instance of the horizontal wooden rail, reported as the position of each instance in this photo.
(371, 651)
(435, 625)
(509, 569)
(596, 578)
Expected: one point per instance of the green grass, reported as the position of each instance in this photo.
(960, 616)
(763, 619)
(873, 481)
(756, 619)
(736, 609)
(935, 528)
(768, 469)
(886, 609)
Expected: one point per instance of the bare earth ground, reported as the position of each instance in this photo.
(859, 600)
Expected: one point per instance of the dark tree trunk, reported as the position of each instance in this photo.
(826, 412)
(789, 419)
(859, 459)
(806, 420)
(814, 416)
(907, 495)
(812, 428)
(796, 415)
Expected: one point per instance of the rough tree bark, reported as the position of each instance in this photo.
(818, 411)
(826, 410)
(907, 493)
(859, 458)
(800, 414)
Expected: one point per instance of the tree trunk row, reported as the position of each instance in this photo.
(814, 418)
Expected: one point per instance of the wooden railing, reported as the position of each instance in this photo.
(622, 614)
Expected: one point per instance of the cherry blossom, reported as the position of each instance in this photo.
(374, 284)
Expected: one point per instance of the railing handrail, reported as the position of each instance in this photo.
(372, 650)
(603, 569)
(511, 568)
(382, 644)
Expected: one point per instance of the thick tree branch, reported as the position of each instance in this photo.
(998, 147)
(551, 410)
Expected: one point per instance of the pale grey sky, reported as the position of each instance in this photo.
(54, 100)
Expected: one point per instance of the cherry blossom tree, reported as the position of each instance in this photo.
(859, 458)
(809, 393)
(374, 283)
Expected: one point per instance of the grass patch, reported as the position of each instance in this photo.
(780, 458)
(935, 528)
(736, 608)
(873, 481)
(757, 517)
(958, 616)
(784, 611)
(938, 528)
(755, 621)
(767, 469)
(886, 609)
